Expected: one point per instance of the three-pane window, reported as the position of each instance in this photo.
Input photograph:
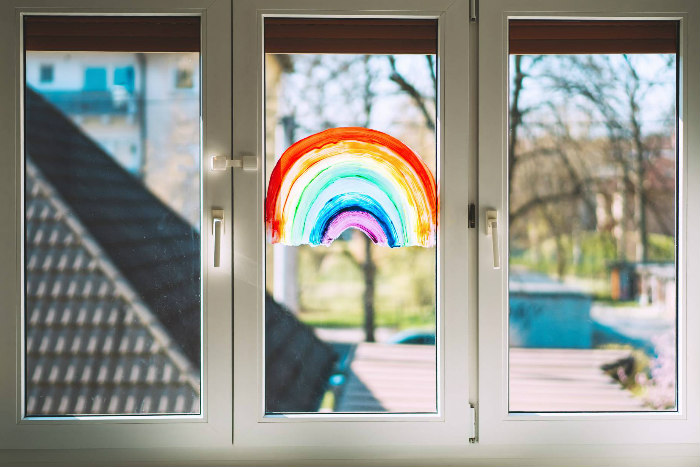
(372, 235)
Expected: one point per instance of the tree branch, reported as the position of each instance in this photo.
(538, 201)
(409, 89)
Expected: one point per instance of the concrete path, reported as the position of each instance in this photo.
(565, 380)
(401, 378)
(390, 378)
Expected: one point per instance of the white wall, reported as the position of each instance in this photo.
(172, 128)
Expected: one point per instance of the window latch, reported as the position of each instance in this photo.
(245, 161)
(471, 219)
(472, 424)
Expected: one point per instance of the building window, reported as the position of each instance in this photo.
(46, 74)
(95, 79)
(124, 76)
(184, 77)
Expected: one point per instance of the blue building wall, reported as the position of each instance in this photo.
(550, 320)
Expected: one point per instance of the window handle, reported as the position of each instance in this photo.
(492, 230)
(217, 226)
(246, 161)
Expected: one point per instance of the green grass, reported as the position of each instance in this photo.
(398, 319)
(328, 401)
(640, 364)
(661, 248)
(331, 285)
(596, 252)
(331, 282)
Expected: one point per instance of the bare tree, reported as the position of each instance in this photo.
(421, 101)
(553, 171)
(617, 92)
(367, 264)
(353, 79)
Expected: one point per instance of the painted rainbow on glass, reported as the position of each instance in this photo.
(351, 178)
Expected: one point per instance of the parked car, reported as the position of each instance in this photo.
(413, 336)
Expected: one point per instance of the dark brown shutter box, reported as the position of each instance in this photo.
(351, 36)
(112, 33)
(536, 37)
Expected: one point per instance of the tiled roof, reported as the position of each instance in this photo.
(92, 345)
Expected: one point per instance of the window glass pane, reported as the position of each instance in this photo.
(592, 213)
(112, 239)
(351, 215)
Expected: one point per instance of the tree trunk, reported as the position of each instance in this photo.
(369, 269)
(561, 256)
(639, 194)
(515, 119)
(643, 244)
(369, 273)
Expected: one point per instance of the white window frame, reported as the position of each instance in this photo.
(232, 428)
(211, 427)
(496, 424)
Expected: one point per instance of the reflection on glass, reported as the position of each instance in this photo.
(592, 172)
(112, 233)
(351, 215)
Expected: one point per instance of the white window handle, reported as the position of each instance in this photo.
(492, 230)
(245, 161)
(217, 226)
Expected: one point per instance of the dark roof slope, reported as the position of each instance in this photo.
(297, 363)
(153, 247)
(125, 269)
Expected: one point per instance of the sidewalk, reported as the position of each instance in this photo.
(566, 380)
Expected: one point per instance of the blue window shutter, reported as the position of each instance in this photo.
(95, 79)
(124, 76)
